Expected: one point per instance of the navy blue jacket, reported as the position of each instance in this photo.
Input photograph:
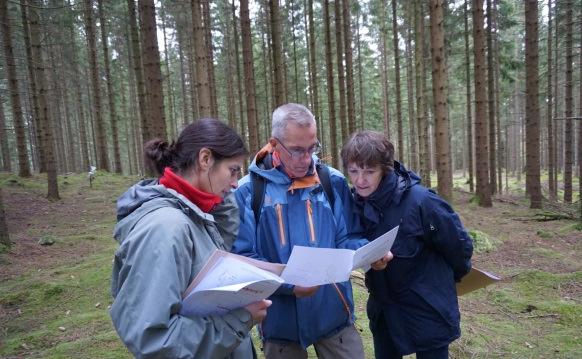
(415, 295)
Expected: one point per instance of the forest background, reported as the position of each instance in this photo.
(483, 97)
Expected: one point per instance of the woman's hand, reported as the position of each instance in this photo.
(381, 263)
(258, 310)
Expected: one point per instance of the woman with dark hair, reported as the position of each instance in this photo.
(412, 305)
(167, 228)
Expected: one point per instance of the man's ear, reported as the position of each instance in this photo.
(272, 142)
(205, 159)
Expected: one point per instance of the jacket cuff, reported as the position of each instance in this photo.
(240, 321)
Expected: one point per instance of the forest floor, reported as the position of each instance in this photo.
(54, 298)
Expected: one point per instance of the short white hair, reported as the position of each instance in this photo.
(290, 112)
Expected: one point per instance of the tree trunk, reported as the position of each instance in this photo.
(481, 144)
(469, 115)
(6, 158)
(360, 73)
(400, 150)
(146, 128)
(333, 150)
(279, 91)
(340, 70)
(249, 74)
(109, 80)
(242, 128)
(569, 110)
(4, 236)
(17, 118)
(32, 81)
(101, 139)
(209, 56)
(421, 119)
(439, 91)
(169, 86)
(413, 139)
(350, 99)
(313, 67)
(532, 114)
(228, 64)
(46, 124)
(550, 103)
(384, 69)
(491, 100)
(201, 54)
(151, 67)
(294, 41)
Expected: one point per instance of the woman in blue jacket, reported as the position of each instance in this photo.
(412, 305)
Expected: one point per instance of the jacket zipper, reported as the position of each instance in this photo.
(279, 210)
(310, 220)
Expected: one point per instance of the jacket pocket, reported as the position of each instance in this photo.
(310, 221)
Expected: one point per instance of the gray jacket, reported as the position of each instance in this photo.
(164, 240)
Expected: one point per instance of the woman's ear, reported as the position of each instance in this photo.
(205, 159)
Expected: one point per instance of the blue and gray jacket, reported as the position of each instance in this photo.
(297, 212)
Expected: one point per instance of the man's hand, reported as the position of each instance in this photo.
(301, 292)
(258, 310)
(382, 262)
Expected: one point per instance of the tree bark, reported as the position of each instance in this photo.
(17, 118)
(4, 236)
(333, 150)
(569, 106)
(340, 69)
(491, 99)
(249, 75)
(209, 56)
(469, 115)
(400, 151)
(313, 68)
(112, 108)
(421, 119)
(532, 114)
(439, 91)
(279, 92)
(550, 103)
(350, 99)
(151, 67)
(202, 76)
(6, 158)
(101, 139)
(481, 145)
(413, 135)
(384, 69)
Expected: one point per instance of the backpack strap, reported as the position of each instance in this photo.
(325, 179)
(259, 185)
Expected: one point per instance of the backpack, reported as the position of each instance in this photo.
(259, 185)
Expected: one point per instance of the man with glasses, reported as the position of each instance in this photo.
(295, 210)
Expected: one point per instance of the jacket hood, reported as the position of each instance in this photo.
(405, 180)
(146, 196)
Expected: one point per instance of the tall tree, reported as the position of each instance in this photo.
(46, 124)
(569, 105)
(151, 67)
(146, 128)
(384, 69)
(17, 118)
(201, 54)
(397, 89)
(333, 150)
(313, 66)
(550, 103)
(469, 114)
(280, 93)
(491, 90)
(6, 160)
(249, 75)
(532, 114)
(421, 118)
(340, 69)
(413, 135)
(110, 94)
(207, 18)
(101, 135)
(482, 164)
(347, 36)
(439, 91)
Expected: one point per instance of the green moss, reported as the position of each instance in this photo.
(481, 241)
(544, 234)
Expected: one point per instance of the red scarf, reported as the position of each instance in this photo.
(204, 200)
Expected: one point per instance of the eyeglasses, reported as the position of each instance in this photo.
(297, 153)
